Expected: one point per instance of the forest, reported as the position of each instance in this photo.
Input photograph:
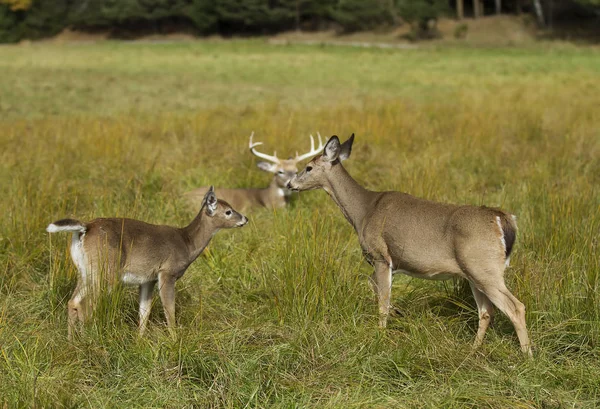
(35, 19)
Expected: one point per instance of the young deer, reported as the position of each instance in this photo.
(139, 253)
(276, 195)
(420, 238)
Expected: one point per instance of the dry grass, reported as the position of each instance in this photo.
(279, 314)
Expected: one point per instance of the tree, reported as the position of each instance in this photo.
(422, 15)
(15, 5)
(356, 15)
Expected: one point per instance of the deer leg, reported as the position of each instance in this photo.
(485, 309)
(75, 309)
(145, 304)
(513, 308)
(383, 283)
(166, 287)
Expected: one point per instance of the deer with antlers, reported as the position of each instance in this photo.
(402, 233)
(276, 195)
(138, 253)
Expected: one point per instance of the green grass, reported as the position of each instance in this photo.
(279, 313)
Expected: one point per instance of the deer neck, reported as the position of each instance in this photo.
(199, 233)
(274, 194)
(352, 199)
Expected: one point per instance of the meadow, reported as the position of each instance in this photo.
(280, 314)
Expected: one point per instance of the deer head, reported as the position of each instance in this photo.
(221, 214)
(283, 169)
(314, 176)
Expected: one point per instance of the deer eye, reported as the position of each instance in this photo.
(308, 168)
(228, 212)
(281, 172)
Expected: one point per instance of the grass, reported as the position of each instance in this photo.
(279, 313)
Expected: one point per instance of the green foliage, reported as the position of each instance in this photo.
(202, 14)
(45, 18)
(356, 15)
(89, 14)
(9, 25)
(253, 15)
(42, 18)
(422, 15)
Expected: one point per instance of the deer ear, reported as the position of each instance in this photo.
(332, 149)
(266, 166)
(210, 200)
(346, 148)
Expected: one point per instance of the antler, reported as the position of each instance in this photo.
(313, 151)
(252, 147)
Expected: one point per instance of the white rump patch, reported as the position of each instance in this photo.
(501, 233)
(53, 228)
(78, 255)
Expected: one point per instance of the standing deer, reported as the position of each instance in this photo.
(402, 233)
(139, 253)
(276, 195)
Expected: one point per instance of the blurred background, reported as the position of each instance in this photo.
(405, 19)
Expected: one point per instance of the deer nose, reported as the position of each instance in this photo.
(289, 185)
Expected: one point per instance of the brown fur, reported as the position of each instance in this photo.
(108, 250)
(274, 196)
(421, 238)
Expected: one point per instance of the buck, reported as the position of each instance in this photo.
(138, 253)
(402, 233)
(276, 195)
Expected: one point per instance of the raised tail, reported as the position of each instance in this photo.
(71, 225)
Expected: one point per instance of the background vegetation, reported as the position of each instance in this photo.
(279, 314)
(34, 19)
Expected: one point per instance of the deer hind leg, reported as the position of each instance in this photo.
(514, 309)
(145, 304)
(493, 287)
(382, 283)
(166, 287)
(75, 309)
(485, 309)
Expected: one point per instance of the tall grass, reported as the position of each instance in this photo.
(279, 313)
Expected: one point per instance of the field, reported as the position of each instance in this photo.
(279, 313)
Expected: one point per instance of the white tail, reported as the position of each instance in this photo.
(276, 195)
(66, 225)
(402, 233)
(141, 254)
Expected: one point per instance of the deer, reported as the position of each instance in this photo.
(402, 233)
(107, 250)
(274, 196)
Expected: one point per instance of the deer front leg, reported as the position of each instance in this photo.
(382, 283)
(145, 304)
(166, 287)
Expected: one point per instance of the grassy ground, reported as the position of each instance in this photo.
(279, 313)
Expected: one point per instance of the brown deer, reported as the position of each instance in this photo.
(274, 196)
(402, 233)
(138, 253)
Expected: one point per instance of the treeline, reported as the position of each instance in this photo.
(35, 19)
